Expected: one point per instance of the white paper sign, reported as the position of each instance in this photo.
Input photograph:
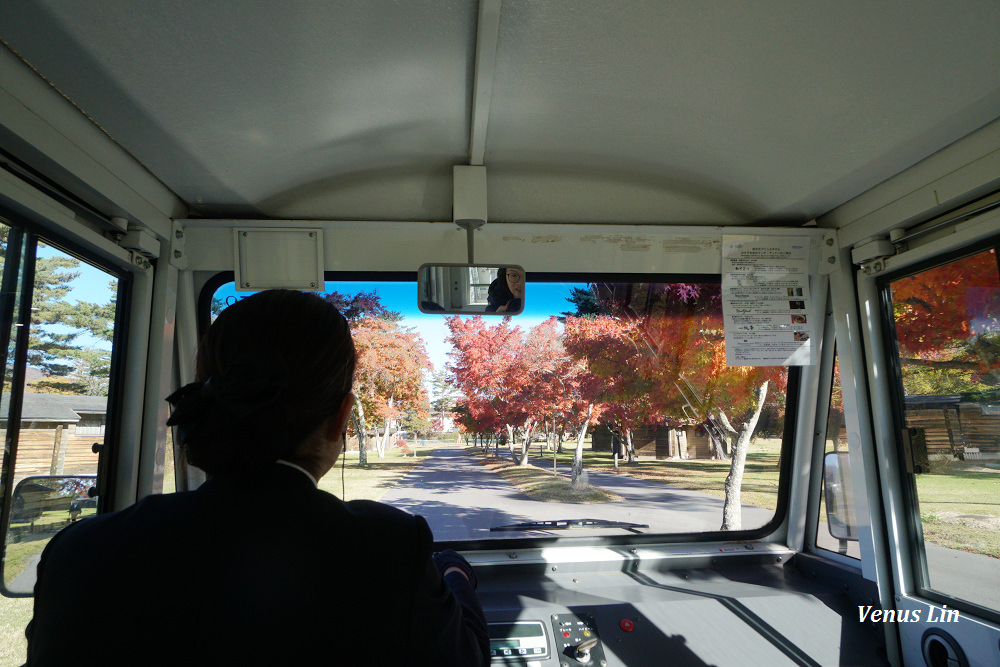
(766, 305)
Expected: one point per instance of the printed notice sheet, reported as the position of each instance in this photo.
(765, 301)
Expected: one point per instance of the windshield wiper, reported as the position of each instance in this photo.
(566, 524)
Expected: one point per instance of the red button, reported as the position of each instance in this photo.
(626, 625)
(565, 634)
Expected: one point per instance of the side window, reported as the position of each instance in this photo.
(58, 320)
(947, 330)
(836, 529)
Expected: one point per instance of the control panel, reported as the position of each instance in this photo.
(577, 641)
(519, 641)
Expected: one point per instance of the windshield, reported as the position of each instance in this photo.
(606, 408)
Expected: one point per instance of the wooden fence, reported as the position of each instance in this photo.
(39, 452)
(661, 442)
(949, 429)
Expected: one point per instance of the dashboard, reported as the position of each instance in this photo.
(754, 604)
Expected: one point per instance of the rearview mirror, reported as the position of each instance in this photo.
(839, 495)
(40, 507)
(470, 289)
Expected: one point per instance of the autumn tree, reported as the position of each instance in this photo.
(668, 346)
(388, 378)
(948, 326)
(561, 386)
(488, 369)
(617, 363)
(690, 333)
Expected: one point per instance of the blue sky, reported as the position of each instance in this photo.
(542, 300)
(91, 285)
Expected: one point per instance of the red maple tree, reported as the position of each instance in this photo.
(948, 319)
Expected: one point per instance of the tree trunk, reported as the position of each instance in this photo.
(729, 433)
(718, 444)
(529, 427)
(359, 428)
(579, 478)
(384, 440)
(732, 518)
(629, 445)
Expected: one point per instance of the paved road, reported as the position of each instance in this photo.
(461, 500)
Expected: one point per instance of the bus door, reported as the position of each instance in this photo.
(59, 333)
(932, 338)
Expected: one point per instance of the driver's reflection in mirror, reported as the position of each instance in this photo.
(506, 293)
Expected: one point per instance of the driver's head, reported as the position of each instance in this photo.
(515, 281)
(270, 370)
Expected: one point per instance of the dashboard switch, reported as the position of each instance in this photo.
(626, 625)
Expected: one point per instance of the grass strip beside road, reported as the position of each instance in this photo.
(18, 555)
(960, 506)
(14, 616)
(970, 535)
(374, 480)
(540, 484)
(760, 478)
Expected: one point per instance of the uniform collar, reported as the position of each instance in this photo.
(305, 472)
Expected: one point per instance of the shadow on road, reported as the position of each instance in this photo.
(461, 499)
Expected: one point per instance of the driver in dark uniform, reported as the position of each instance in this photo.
(258, 566)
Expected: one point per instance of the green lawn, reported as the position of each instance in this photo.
(760, 477)
(541, 484)
(17, 555)
(960, 506)
(959, 501)
(14, 616)
(372, 482)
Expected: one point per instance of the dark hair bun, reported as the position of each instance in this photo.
(270, 369)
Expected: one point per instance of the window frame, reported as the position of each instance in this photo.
(29, 234)
(906, 480)
(793, 394)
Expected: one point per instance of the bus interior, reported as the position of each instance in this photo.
(760, 319)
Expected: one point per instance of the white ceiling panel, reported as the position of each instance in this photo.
(693, 112)
(783, 108)
(237, 103)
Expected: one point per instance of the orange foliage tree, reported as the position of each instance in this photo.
(661, 351)
(388, 378)
(621, 377)
(513, 381)
(563, 387)
(389, 375)
(487, 365)
(948, 326)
